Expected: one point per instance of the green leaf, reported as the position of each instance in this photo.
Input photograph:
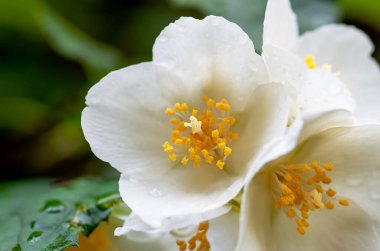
(96, 57)
(365, 11)
(40, 215)
(249, 14)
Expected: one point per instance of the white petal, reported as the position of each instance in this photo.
(354, 151)
(280, 24)
(222, 235)
(255, 233)
(264, 121)
(183, 191)
(124, 121)
(223, 232)
(340, 229)
(336, 118)
(313, 92)
(349, 51)
(211, 57)
(134, 223)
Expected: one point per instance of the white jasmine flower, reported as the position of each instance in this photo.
(338, 59)
(188, 129)
(324, 195)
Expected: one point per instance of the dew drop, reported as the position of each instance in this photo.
(374, 192)
(243, 41)
(163, 39)
(53, 206)
(354, 180)
(33, 237)
(155, 192)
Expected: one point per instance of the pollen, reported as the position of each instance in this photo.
(301, 189)
(309, 60)
(198, 242)
(201, 136)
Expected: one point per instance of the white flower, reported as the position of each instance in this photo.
(338, 58)
(188, 129)
(324, 195)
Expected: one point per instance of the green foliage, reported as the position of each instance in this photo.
(41, 216)
(249, 14)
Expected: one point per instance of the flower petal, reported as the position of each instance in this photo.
(183, 191)
(134, 223)
(222, 235)
(348, 50)
(207, 57)
(255, 233)
(280, 24)
(124, 121)
(264, 121)
(312, 92)
(354, 153)
(340, 229)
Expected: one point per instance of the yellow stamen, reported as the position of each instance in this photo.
(309, 60)
(205, 137)
(298, 189)
(344, 202)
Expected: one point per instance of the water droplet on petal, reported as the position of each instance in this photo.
(156, 191)
(53, 206)
(354, 180)
(374, 192)
(163, 38)
(33, 237)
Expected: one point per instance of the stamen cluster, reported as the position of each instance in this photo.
(205, 138)
(299, 189)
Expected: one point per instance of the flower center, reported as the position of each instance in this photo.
(201, 136)
(199, 239)
(299, 189)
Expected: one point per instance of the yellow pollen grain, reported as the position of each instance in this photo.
(169, 111)
(328, 166)
(227, 151)
(220, 164)
(215, 133)
(330, 192)
(329, 205)
(344, 202)
(291, 213)
(184, 160)
(172, 157)
(309, 60)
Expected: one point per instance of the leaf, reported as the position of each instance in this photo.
(96, 57)
(38, 215)
(249, 14)
(365, 11)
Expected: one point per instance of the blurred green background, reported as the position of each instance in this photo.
(53, 51)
